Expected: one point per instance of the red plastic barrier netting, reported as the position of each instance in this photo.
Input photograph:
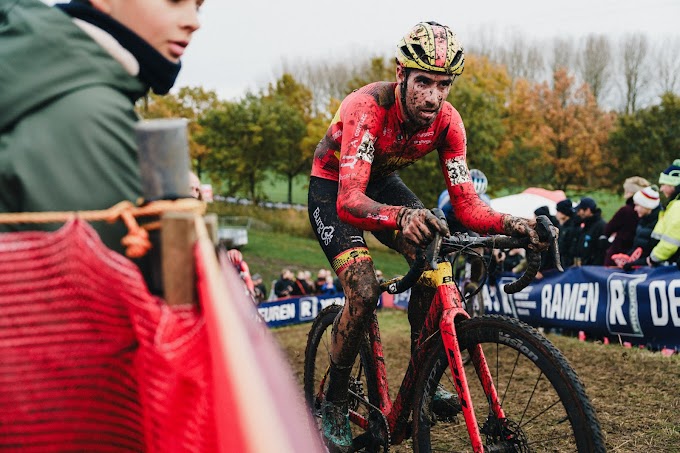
(90, 361)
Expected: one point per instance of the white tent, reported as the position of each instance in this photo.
(523, 204)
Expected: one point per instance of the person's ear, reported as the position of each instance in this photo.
(401, 72)
(103, 6)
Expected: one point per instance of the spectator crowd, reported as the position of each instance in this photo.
(642, 232)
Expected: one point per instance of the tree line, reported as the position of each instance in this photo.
(532, 119)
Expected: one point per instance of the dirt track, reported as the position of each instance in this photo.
(636, 393)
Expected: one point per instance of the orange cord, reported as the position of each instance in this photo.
(136, 241)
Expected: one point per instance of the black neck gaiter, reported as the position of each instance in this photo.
(154, 69)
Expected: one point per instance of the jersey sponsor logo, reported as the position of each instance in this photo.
(462, 129)
(348, 161)
(358, 239)
(377, 217)
(425, 134)
(366, 150)
(336, 134)
(360, 124)
(324, 232)
(457, 171)
(347, 176)
(422, 142)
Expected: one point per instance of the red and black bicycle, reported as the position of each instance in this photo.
(517, 394)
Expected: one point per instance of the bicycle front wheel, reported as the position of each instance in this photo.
(544, 401)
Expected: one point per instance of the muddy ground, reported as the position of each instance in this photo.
(636, 392)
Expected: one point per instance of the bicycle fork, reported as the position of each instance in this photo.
(451, 311)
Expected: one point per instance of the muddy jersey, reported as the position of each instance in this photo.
(366, 141)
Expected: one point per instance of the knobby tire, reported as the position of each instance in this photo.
(544, 401)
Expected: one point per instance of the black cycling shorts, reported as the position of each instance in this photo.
(342, 243)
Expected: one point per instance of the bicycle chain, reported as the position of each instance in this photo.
(388, 442)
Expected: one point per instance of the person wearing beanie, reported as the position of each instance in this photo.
(71, 74)
(647, 207)
(667, 229)
(569, 226)
(669, 181)
(620, 230)
(591, 242)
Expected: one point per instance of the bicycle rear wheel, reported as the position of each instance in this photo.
(363, 386)
(543, 399)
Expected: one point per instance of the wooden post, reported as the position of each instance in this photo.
(177, 243)
(164, 158)
(163, 147)
(211, 224)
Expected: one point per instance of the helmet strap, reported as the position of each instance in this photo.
(402, 92)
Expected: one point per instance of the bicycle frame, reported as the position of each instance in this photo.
(446, 308)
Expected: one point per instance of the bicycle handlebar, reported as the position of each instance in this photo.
(440, 247)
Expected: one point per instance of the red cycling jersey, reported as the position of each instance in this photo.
(367, 140)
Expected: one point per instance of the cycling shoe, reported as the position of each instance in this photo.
(337, 434)
(445, 405)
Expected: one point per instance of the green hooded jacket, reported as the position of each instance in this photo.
(66, 119)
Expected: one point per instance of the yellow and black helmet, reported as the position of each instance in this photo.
(430, 46)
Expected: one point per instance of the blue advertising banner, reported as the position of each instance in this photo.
(294, 310)
(640, 307)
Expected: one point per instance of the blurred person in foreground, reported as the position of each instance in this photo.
(379, 129)
(70, 76)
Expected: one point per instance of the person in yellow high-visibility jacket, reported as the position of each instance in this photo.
(667, 229)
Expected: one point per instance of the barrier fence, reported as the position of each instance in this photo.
(641, 307)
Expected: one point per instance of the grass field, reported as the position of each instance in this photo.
(635, 392)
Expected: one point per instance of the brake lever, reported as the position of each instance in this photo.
(548, 233)
(436, 244)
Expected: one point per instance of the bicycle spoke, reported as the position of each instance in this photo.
(539, 414)
(511, 374)
(531, 397)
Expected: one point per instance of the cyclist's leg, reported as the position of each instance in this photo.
(392, 190)
(347, 253)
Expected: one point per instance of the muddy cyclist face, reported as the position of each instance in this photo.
(425, 94)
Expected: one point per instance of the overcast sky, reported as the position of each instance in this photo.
(243, 44)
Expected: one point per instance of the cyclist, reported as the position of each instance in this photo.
(378, 130)
(236, 259)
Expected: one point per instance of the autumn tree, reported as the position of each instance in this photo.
(647, 141)
(243, 137)
(191, 103)
(376, 69)
(480, 96)
(558, 135)
(294, 154)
